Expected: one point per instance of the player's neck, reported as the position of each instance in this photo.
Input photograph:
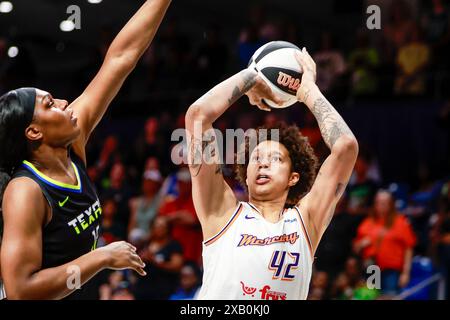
(51, 161)
(271, 210)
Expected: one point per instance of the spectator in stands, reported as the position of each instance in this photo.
(336, 243)
(190, 279)
(248, 43)
(341, 289)
(123, 292)
(164, 259)
(114, 280)
(119, 189)
(330, 65)
(399, 27)
(181, 214)
(386, 239)
(412, 59)
(319, 286)
(350, 283)
(361, 188)
(109, 155)
(150, 144)
(144, 207)
(111, 230)
(362, 63)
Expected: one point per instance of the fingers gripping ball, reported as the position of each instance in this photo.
(276, 64)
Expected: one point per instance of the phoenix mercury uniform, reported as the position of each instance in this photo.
(252, 258)
(74, 226)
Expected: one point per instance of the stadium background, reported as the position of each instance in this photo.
(403, 131)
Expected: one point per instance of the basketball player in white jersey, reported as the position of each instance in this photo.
(264, 248)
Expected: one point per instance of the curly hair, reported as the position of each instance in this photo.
(302, 156)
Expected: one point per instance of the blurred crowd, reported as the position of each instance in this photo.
(146, 199)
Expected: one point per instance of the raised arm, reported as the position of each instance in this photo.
(121, 58)
(319, 204)
(213, 199)
(21, 252)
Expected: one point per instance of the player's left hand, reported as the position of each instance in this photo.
(309, 74)
(259, 92)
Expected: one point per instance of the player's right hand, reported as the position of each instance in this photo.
(259, 92)
(121, 255)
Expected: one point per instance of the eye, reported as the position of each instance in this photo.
(255, 158)
(276, 159)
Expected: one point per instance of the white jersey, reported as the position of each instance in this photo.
(251, 258)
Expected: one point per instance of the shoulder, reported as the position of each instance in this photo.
(21, 187)
(23, 197)
(402, 221)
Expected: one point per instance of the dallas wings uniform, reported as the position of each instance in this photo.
(74, 227)
(251, 258)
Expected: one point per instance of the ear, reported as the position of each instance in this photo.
(293, 179)
(33, 133)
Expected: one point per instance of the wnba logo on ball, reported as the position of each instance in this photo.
(288, 81)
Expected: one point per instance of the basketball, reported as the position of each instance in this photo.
(277, 66)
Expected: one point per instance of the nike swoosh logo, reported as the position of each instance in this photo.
(61, 204)
(248, 218)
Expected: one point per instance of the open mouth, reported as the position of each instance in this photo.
(262, 179)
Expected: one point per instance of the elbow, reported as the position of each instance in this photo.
(346, 145)
(14, 293)
(194, 115)
(124, 62)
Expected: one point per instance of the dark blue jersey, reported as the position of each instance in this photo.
(74, 226)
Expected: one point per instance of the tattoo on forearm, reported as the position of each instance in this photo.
(306, 95)
(248, 82)
(331, 124)
(197, 151)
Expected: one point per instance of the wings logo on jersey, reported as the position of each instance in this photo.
(251, 240)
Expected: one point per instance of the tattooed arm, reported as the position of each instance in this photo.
(214, 200)
(319, 204)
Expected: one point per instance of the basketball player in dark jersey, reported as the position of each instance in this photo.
(50, 208)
